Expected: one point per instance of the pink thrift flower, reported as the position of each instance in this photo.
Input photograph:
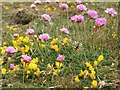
(37, 2)
(64, 30)
(33, 6)
(111, 11)
(30, 31)
(63, 6)
(44, 37)
(92, 14)
(12, 66)
(77, 18)
(16, 35)
(100, 22)
(47, 1)
(78, 1)
(60, 58)
(81, 7)
(26, 58)
(73, 18)
(10, 50)
(57, 1)
(46, 17)
(80, 18)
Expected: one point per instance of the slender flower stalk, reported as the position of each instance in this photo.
(37, 45)
(24, 73)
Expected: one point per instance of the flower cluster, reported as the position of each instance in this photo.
(78, 1)
(26, 58)
(92, 14)
(10, 50)
(54, 45)
(65, 30)
(90, 73)
(63, 6)
(30, 31)
(46, 17)
(111, 11)
(100, 22)
(44, 37)
(77, 18)
(81, 7)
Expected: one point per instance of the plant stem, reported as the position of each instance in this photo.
(24, 72)
(37, 47)
(23, 75)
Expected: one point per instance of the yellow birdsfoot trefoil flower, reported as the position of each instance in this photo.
(94, 84)
(54, 40)
(37, 73)
(95, 63)
(55, 47)
(58, 64)
(26, 39)
(3, 50)
(87, 64)
(76, 79)
(65, 40)
(92, 75)
(3, 71)
(81, 73)
(33, 66)
(100, 58)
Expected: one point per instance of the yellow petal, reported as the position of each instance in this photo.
(91, 68)
(28, 72)
(100, 58)
(58, 64)
(92, 76)
(81, 73)
(3, 71)
(55, 47)
(87, 64)
(94, 84)
(95, 63)
(32, 66)
(27, 48)
(77, 79)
